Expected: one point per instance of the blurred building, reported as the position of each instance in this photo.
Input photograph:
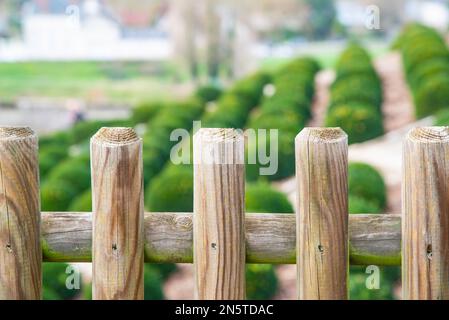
(354, 14)
(433, 13)
(82, 30)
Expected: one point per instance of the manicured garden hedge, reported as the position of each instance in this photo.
(288, 111)
(367, 192)
(425, 58)
(156, 141)
(356, 96)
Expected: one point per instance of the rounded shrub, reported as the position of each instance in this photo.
(285, 120)
(171, 190)
(208, 93)
(357, 88)
(54, 282)
(442, 118)
(73, 171)
(261, 282)
(250, 89)
(360, 205)
(427, 70)
(59, 140)
(416, 53)
(261, 197)
(49, 158)
(57, 195)
(146, 111)
(432, 96)
(285, 156)
(82, 203)
(354, 60)
(292, 101)
(231, 112)
(152, 284)
(360, 121)
(303, 65)
(366, 183)
(157, 144)
(358, 285)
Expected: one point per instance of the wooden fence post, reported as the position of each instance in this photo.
(322, 213)
(20, 248)
(117, 203)
(425, 214)
(219, 214)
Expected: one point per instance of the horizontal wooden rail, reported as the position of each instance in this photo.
(270, 238)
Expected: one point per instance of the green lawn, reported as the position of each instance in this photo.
(126, 82)
(327, 53)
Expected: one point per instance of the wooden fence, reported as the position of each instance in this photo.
(322, 239)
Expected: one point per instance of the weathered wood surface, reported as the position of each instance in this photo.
(322, 215)
(425, 223)
(270, 238)
(20, 249)
(117, 203)
(219, 214)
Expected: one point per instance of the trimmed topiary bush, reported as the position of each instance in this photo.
(287, 111)
(364, 89)
(354, 60)
(432, 95)
(361, 205)
(171, 191)
(54, 282)
(442, 118)
(358, 287)
(146, 111)
(360, 121)
(152, 284)
(356, 96)
(157, 144)
(49, 158)
(427, 70)
(367, 184)
(261, 282)
(426, 61)
(57, 195)
(82, 203)
(261, 197)
(73, 171)
(208, 93)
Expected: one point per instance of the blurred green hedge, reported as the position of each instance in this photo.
(367, 187)
(356, 96)
(287, 110)
(425, 58)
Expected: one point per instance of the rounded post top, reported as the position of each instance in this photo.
(116, 135)
(322, 135)
(14, 133)
(218, 146)
(428, 134)
(217, 135)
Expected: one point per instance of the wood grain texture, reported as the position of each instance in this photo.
(20, 249)
(219, 211)
(425, 222)
(322, 213)
(117, 202)
(270, 238)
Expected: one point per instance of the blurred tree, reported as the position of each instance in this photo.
(321, 18)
